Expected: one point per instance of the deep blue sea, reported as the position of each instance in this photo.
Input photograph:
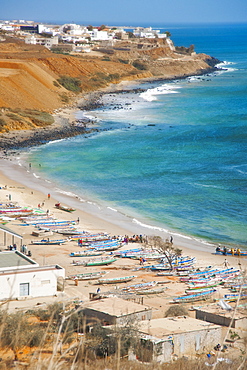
(174, 156)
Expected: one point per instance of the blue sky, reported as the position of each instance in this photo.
(126, 12)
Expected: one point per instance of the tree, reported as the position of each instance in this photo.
(102, 27)
(90, 28)
(165, 247)
(168, 34)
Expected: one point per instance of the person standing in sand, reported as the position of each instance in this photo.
(226, 264)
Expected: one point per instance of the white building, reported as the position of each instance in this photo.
(21, 277)
(44, 41)
(148, 33)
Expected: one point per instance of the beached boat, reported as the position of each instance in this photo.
(237, 288)
(48, 242)
(228, 252)
(205, 285)
(64, 208)
(116, 280)
(234, 297)
(150, 291)
(95, 262)
(194, 297)
(86, 276)
(88, 253)
(141, 286)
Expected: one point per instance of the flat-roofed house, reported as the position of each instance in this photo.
(163, 338)
(116, 311)
(21, 277)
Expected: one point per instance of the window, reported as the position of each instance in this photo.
(24, 289)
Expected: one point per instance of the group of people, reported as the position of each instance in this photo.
(133, 239)
(232, 251)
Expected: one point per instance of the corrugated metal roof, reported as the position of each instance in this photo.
(9, 231)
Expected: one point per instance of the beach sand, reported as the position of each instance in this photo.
(31, 191)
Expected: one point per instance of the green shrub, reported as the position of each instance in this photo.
(39, 118)
(55, 83)
(106, 59)
(13, 116)
(139, 65)
(64, 97)
(124, 61)
(70, 83)
(2, 123)
(176, 310)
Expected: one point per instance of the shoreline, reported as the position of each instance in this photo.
(65, 123)
(93, 213)
(90, 206)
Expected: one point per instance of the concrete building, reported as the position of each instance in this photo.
(21, 277)
(219, 316)
(48, 42)
(163, 338)
(116, 311)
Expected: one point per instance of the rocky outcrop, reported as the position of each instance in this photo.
(29, 73)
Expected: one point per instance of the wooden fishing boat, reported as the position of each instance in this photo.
(88, 253)
(230, 253)
(233, 297)
(48, 242)
(194, 297)
(141, 286)
(86, 276)
(150, 291)
(64, 208)
(202, 289)
(102, 262)
(236, 288)
(116, 280)
(95, 262)
(205, 285)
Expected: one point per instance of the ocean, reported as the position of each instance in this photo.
(173, 157)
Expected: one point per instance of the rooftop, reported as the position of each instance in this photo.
(164, 327)
(116, 306)
(14, 259)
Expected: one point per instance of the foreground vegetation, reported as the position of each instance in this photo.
(58, 337)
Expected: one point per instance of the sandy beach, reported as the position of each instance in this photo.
(32, 191)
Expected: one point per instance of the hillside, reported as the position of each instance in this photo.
(29, 74)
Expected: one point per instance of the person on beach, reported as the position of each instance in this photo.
(226, 264)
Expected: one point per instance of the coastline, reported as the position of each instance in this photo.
(94, 216)
(65, 123)
(30, 190)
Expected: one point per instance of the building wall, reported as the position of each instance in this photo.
(198, 341)
(107, 319)
(30, 284)
(221, 320)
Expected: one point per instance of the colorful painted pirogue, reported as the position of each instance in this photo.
(88, 253)
(64, 208)
(194, 297)
(116, 280)
(95, 262)
(86, 276)
(141, 286)
(231, 252)
(48, 242)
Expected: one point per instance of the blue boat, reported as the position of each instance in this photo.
(194, 297)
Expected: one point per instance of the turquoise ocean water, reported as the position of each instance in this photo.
(174, 156)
